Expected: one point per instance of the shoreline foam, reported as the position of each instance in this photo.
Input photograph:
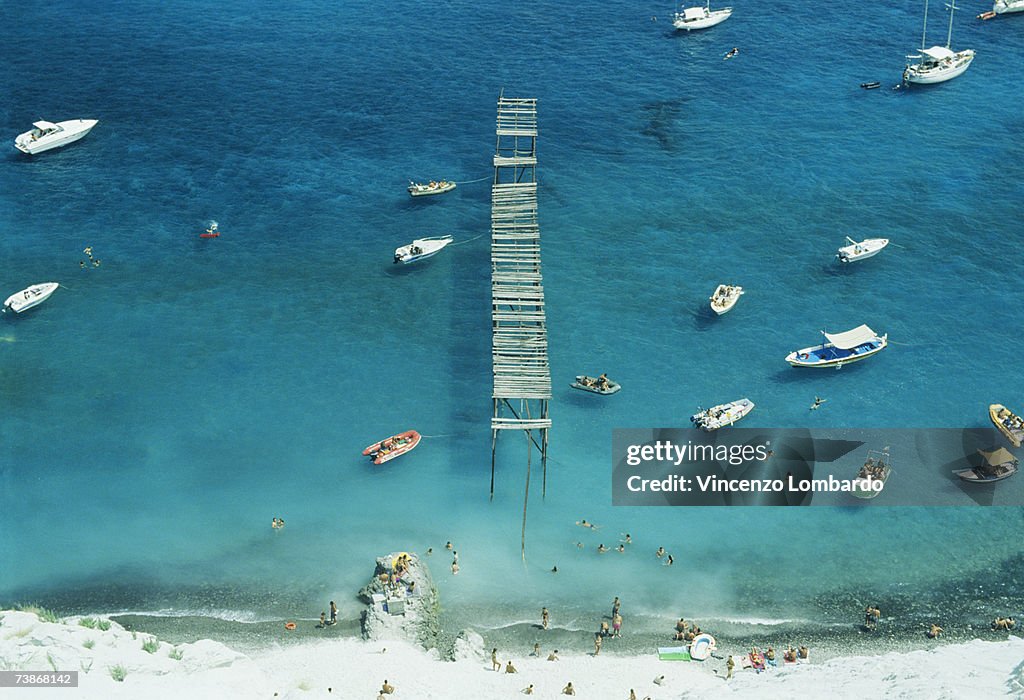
(355, 669)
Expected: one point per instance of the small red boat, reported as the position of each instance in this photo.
(389, 448)
(209, 235)
(211, 231)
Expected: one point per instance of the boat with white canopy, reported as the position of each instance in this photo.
(700, 17)
(840, 349)
(996, 465)
(862, 250)
(421, 249)
(938, 63)
(725, 297)
(45, 135)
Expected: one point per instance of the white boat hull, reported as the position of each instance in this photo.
(71, 131)
(1002, 7)
(724, 298)
(421, 249)
(868, 248)
(30, 297)
(722, 415)
(710, 19)
(923, 74)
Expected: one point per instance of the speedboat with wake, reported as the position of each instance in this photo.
(30, 297)
(421, 249)
(722, 415)
(45, 135)
(394, 446)
(840, 349)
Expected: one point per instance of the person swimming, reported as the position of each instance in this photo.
(817, 403)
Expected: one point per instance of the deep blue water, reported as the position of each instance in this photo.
(160, 409)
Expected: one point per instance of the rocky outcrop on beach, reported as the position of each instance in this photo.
(402, 602)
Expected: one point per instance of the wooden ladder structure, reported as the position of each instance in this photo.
(522, 375)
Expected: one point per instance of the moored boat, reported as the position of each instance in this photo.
(840, 349)
(394, 446)
(421, 248)
(30, 297)
(861, 250)
(700, 17)
(1002, 7)
(722, 415)
(45, 135)
(996, 465)
(1009, 423)
(725, 297)
(876, 470)
(938, 63)
(600, 385)
(417, 189)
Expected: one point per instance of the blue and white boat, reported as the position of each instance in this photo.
(839, 349)
(421, 248)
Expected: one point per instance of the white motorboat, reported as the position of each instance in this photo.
(700, 17)
(938, 63)
(840, 349)
(46, 135)
(33, 296)
(722, 415)
(433, 187)
(725, 297)
(867, 248)
(876, 470)
(421, 248)
(1002, 7)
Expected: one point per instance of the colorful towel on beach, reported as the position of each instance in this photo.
(674, 654)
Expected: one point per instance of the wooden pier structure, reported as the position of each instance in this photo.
(522, 375)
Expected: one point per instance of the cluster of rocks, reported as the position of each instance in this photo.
(402, 602)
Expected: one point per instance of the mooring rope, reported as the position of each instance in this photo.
(470, 182)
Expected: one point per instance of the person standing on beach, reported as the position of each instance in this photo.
(334, 613)
(616, 625)
(495, 664)
(536, 649)
(615, 606)
(545, 618)
(729, 665)
(597, 644)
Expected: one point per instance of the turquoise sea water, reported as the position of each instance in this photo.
(162, 408)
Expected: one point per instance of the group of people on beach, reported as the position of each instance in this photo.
(324, 622)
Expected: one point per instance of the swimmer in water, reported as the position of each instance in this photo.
(817, 403)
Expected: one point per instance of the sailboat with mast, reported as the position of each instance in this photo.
(938, 63)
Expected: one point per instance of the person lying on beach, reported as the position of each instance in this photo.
(660, 680)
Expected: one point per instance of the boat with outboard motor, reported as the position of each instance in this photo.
(600, 385)
(421, 249)
(840, 349)
(996, 465)
(861, 250)
(872, 476)
(394, 446)
(721, 415)
(1009, 423)
(30, 297)
(417, 189)
(725, 297)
